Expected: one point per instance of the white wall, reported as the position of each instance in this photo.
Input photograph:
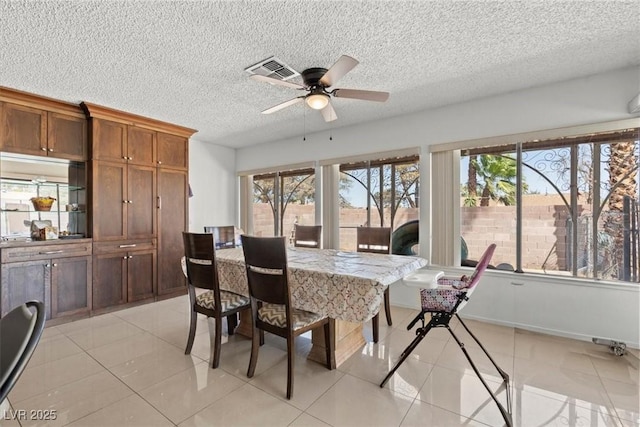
(212, 175)
(541, 304)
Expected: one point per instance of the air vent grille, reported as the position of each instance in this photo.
(274, 68)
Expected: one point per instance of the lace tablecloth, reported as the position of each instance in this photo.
(343, 285)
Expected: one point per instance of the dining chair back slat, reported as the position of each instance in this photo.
(224, 236)
(307, 236)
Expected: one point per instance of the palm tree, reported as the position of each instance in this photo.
(498, 176)
(623, 165)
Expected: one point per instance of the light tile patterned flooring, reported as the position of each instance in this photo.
(128, 368)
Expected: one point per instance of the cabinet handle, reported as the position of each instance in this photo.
(159, 202)
(128, 246)
(50, 252)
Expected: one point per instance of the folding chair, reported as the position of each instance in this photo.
(443, 303)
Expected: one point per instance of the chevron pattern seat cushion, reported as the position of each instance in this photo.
(229, 300)
(274, 314)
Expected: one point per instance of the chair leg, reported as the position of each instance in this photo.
(387, 307)
(503, 374)
(255, 348)
(192, 332)
(375, 326)
(291, 355)
(420, 334)
(215, 333)
(506, 413)
(232, 323)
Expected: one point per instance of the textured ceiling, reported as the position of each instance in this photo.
(184, 62)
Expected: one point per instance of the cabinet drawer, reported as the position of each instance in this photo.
(40, 252)
(123, 245)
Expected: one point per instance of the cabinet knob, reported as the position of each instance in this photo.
(50, 149)
(159, 162)
(47, 265)
(43, 148)
(55, 265)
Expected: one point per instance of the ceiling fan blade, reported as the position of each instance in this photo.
(328, 113)
(282, 105)
(343, 65)
(277, 82)
(366, 95)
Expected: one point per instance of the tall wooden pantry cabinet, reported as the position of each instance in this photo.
(139, 205)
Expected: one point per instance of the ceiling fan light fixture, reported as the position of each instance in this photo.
(317, 101)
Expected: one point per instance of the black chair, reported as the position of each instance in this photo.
(20, 332)
(200, 260)
(376, 240)
(224, 236)
(266, 262)
(443, 303)
(307, 236)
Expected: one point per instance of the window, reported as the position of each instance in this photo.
(281, 200)
(564, 206)
(380, 193)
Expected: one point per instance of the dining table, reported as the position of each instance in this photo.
(348, 287)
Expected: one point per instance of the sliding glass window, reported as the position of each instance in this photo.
(564, 206)
(281, 200)
(380, 193)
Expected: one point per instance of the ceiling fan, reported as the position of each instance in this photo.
(318, 83)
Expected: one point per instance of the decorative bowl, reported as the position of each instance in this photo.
(42, 203)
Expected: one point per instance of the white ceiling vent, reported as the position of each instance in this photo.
(274, 68)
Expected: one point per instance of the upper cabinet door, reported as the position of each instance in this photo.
(67, 137)
(109, 140)
(173, 151)
(141, 146)
(23, 130)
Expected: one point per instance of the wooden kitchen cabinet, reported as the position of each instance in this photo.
(173, 151)
(24, 130)
(123, 273)
(57, 273)
(173, 196)
(118, 142)
(67, 137)
(124, 201)
(41, 126)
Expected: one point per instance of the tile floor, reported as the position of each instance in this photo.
(128, 368)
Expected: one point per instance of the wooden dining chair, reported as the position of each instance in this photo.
(266, 263)
(307, 236)
(215, 303)
(224, 236)
(376, 240)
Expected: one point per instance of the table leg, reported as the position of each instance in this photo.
(347, 340)
(244, 327)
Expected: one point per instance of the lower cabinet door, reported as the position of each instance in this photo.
(141, 269)
(109, 280)
(25, 281)
(70, 286)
